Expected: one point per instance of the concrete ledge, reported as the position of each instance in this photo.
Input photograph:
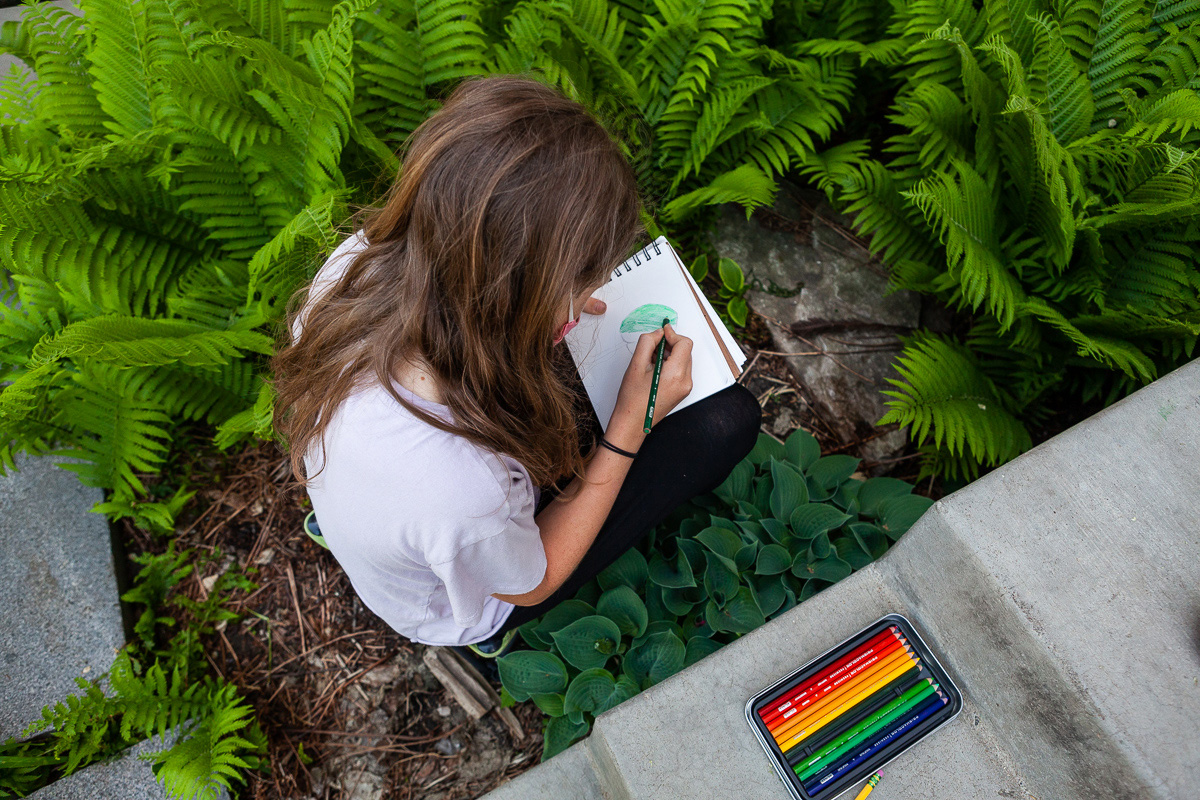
(1061, 592)
(570, 775)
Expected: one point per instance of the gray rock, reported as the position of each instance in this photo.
(845, 301)
(58, 589)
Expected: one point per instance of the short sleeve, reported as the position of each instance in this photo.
(511, 561)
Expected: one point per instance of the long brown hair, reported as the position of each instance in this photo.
(511, 199)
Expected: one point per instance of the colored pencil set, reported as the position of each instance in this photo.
(840, 718)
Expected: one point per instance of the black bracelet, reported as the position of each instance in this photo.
(606, 443)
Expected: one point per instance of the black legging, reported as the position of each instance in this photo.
(690, 452)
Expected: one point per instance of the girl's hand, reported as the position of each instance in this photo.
(625, 429)
(594, 306)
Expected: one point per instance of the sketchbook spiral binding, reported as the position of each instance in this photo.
(625, 266)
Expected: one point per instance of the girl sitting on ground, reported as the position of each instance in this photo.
(429, 406)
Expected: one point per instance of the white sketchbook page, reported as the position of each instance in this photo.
(602, 352)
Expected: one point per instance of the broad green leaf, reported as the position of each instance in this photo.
(875, 490)
(596, 691)
(897, 514)
(674, 574)
(870, 537)
(740, 614)
(764, 448)
(755, 531)
(772, 560)
(720, 582)
(561, 733)
(723, 522)
(789, 490)
(678, 601)
(802, 449)
(560, 617)
(588, 642)
(699, 268)
(738, 311)
(623, 606)
(661, 626)
(550, 704)
(768, 593)
(697, 648)
(722, 542)
(829, 471)
(846, 496)
(849, 550)
(529, 632)
(736, 487)
(814, 518)
(629, 570)
(830, 569)
(745, 556)
(778, 531)
(820, 546)
(763, 486)
(528, 672)
(732, 277)
(747, 511)
(655, 659)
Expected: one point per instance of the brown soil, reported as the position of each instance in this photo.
(332, 684)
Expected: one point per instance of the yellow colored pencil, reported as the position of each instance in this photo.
(850, 702)
(866, 790)
(887, 664)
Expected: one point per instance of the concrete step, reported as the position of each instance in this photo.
(1060, 593)
(58, 589)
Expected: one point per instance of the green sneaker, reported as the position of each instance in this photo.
(313, 530)
(490, 648)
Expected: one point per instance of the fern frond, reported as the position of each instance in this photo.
(1069, 102)
(746, 185)
(943, 396)
(1119, 47)
(119, 64)
(199, 765)
(965, 216)
(139, 342)
(1110, 351)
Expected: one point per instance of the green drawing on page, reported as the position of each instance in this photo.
(648, 318)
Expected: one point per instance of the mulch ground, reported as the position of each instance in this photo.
(348, 707)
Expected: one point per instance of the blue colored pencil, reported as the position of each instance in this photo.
(826, 778)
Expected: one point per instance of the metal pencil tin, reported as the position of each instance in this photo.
(875, 762)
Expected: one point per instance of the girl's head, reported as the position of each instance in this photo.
(512, 203)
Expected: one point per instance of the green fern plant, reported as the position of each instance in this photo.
(156, 687)
(173, 169)
(1043, 182)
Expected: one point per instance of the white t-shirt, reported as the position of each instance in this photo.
(426, 524)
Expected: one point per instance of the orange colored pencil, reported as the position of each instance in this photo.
(814, 693)
(834, 670)
(848, 703)
(887, 664)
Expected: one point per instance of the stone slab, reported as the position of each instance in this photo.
(688, 736)
(570, 775)
(58, 589)
(845, 293)
(1082, 626)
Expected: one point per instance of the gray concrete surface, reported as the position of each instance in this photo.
(62, 616)
(570, 775)
(1075, 604)
(1061, 593)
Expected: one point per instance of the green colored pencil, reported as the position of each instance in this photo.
(861, 732)
(658, 359)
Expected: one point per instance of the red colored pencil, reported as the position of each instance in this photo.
(865, 650)
(816, 694)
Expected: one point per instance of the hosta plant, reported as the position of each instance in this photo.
(785, 524)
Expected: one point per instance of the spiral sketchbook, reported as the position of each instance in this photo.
(649, 286)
